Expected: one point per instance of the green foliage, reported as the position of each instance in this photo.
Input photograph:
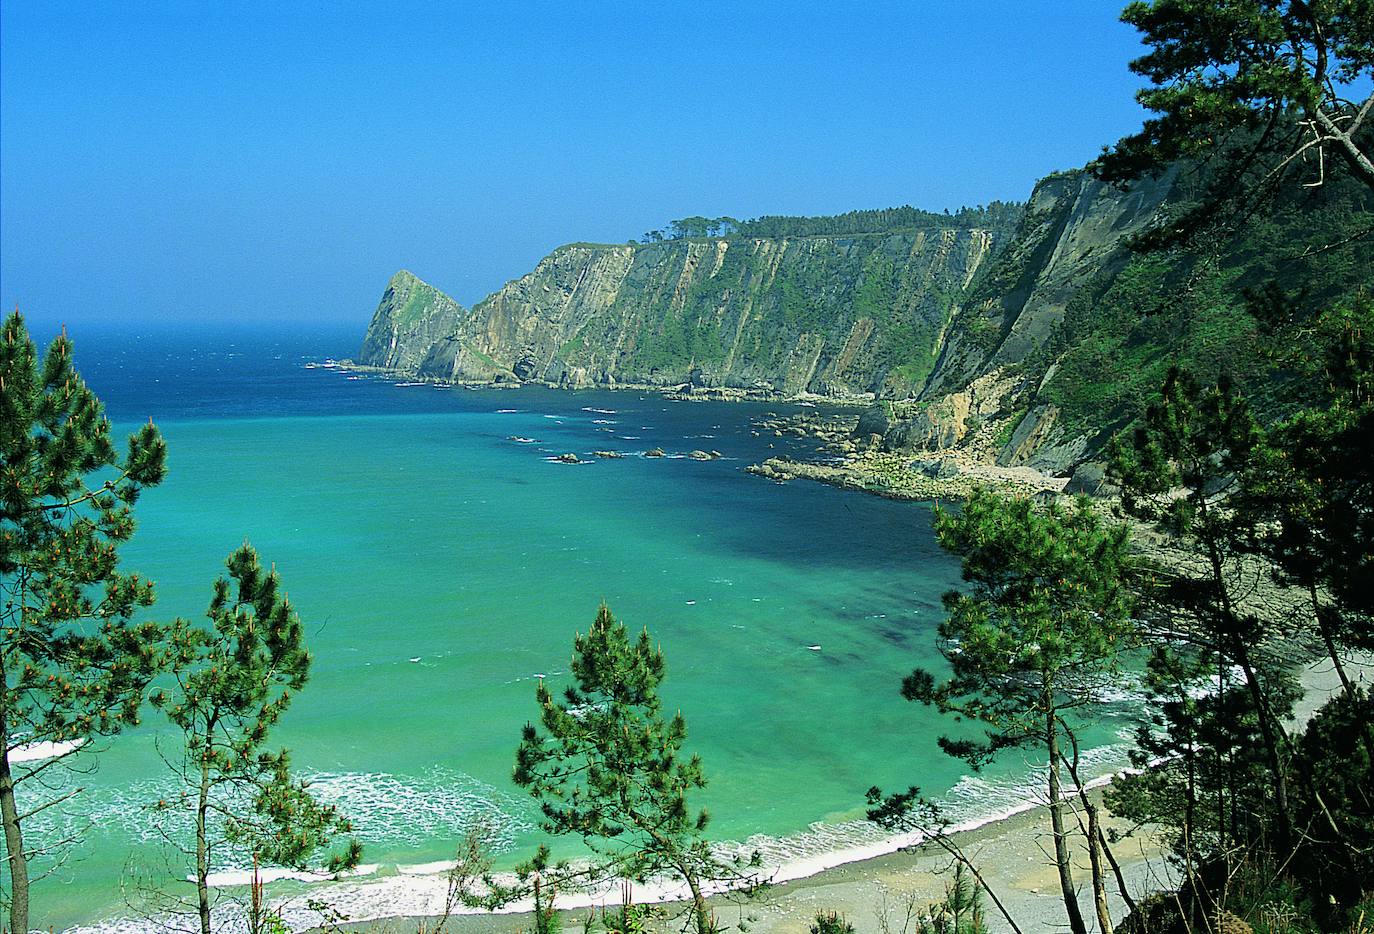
(1223, 74)
(1041, 631)
(1002, 215)
(1209, 786)
(607, 768)
(73, 663)
(1339, 871)
(1044, 626)
(831, 922)
(233, 680)
(1309, 493)
(1203, 309)
(961, 910)
(1188, 451)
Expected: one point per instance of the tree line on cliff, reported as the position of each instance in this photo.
(1001, 215)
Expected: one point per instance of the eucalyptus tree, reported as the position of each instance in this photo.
(231, 682)
(605, 766)
(1031, 643)
(74, 662)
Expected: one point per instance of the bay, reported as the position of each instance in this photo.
(441, 568)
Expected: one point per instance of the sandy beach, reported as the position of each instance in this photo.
(873, 893)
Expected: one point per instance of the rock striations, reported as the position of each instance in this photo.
(1018, 346)
(411, 316)
(838, 316)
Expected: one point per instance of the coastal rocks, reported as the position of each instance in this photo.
(526, 367)
(897, 477)
(704, 455)
(607, 455)
(1090, 479)
(875, 420)
(411, 316)
(568, 459)
(654, 452)
(943, 468)
(945, 423)
(832, 429)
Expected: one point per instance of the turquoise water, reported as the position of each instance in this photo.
(440, 568)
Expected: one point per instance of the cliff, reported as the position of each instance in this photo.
(411, 316)
(1028, 341)
(829, 315)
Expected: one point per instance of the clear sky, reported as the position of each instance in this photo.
(241, 161)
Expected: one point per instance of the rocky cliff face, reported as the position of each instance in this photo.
(1074, 232)
(1025, 345)
(411, 316)
(830, 315)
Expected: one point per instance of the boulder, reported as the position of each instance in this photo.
(1090, 479)
(940, 468)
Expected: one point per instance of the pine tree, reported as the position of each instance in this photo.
(74, 664)
(1038, 636)
(1177, 471)
(1262, 82)
(233, 681)
(607, 768)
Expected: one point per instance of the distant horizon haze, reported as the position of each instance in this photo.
(189, 164)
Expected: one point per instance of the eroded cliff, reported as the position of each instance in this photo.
(1027, 343)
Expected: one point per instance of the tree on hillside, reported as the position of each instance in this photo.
(606, 767)
(233, 681)
(73, 663)
(1256, 89)
(1224, 72)
(1033, 642)
(1176, 472)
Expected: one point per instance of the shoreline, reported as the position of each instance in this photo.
(860, 880)
(910, 476)
(864, 880)
(678, 392)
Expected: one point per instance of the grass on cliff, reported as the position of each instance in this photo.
(1194, 307)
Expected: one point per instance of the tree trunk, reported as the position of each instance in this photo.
(1329, 639)
(1061, 843)
(1229, 624)
(699, 909)
(1104, 919)
(1269, 732)
(203, 845)
(14, 836)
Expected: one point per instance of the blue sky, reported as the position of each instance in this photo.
(277, 162)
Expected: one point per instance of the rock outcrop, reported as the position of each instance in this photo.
(1021, 346)
(410, 318)
(829, 315)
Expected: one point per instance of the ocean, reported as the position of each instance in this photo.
(441, 568)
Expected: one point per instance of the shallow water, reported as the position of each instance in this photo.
(441, 568)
